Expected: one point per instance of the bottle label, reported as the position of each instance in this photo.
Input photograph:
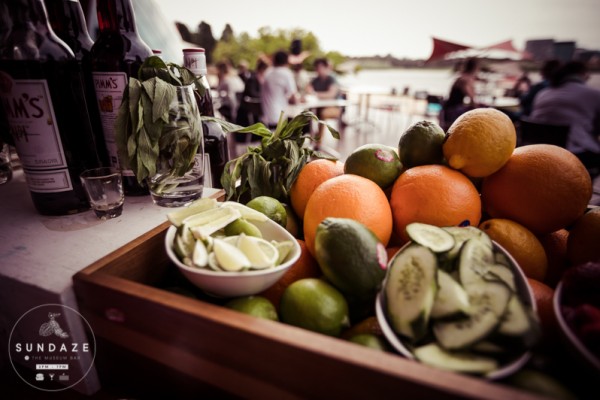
(33, 127)
(109, 88)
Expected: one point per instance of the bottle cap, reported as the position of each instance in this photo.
(195, 61)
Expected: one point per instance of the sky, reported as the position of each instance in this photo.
(400, 27)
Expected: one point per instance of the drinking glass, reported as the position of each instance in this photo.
(104, 190)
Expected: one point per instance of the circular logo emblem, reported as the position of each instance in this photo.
(54, 358)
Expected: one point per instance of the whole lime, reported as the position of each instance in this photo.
(377, 162)
(314, 305)
(370, 340)
(271, 207)
(422, 144)
(256, 306)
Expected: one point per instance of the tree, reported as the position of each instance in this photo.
(184, 32)
(204, 38)
(227, 35)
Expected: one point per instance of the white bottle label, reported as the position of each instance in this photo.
(33, 127)
(109, 88)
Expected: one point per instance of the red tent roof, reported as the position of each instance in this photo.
(443, 47)
(506, 45)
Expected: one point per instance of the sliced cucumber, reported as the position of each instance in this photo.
(488, 348)
(474, 258)
(410, 291)
(432, 237)
(518, 322)
(488, 304)
(461, 234)
(434, 355)
(502, 273)
(196, 207)
(451, 299)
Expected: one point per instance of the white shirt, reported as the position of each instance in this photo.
(278, 87)
(574, 104)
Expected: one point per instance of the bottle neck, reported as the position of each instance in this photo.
(116, 16)
(68, 21)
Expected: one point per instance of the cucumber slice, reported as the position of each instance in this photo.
(489, 301)
(434, 355)
(451, 299)
(488, 348)
(196, 207)
(518, 322)
(461, 235)
(410, 290)
(432, 237)
(502, 273)
(474, 258)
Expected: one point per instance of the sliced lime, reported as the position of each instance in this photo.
(247, 212)
(261, 253)
(216, 223)
(284, 248)
(229, 257)
(241, 225)
(198, 206)
(200, 256)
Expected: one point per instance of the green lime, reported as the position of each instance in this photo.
(421, 144)
(377, 162)
(240, 226)
(369, 340)
(350, 256)
(314, 305)
(256, 306)
(271, 207)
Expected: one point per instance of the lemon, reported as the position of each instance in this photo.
(421, 144)
(256, 306)
(241, 225)
(271, 207)
(229, 257)
(259, 252)
(314, 305)
(480, 142)
(377, 162)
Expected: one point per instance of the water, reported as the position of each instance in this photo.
(176, 192)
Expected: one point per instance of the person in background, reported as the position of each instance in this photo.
(568, 101)
(324, 85)
(462, 88)
(278, 89)
(547, 71)
(249, 111)
(229, 88)
(522, 85)
(244, 71)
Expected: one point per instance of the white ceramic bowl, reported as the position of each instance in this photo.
(236, 284)
(525, 294)
(583, 355)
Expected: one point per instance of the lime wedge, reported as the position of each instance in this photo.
(213, 263)
(241, 225)
(247, 212)
(284, 248)
(181, 248)
(229, 257)
(206, 225)
(261, 253)
(198, 206)
(200, 255)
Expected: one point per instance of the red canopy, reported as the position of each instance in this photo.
(443, 47)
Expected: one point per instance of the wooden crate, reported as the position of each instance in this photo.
(122, 298)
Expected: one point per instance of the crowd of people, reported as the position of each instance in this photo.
(560, 98)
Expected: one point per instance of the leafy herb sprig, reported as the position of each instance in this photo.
(271, 168)
(146, 139)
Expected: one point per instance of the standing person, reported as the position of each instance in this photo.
(229, 88)
(249, 111)
(548, 70)
(462, 88)
(278, 90)
(568, 101)
(244, 71)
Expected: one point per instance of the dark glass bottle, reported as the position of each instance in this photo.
(117, 55)
(44, 104)
(68, 22)
(215, 140)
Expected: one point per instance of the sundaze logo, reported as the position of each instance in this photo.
(105, 83)
(41, 342)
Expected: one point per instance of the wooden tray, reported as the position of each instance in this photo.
(123, 297)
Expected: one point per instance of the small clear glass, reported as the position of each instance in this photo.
(104, 190)
(5, 167)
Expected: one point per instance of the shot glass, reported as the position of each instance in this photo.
(104, 190)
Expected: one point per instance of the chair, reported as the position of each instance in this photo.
(532, 132)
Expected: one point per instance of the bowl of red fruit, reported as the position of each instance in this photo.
(577, 307)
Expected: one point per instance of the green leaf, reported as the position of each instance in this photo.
(164, 96)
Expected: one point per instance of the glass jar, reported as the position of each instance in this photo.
(179, 177)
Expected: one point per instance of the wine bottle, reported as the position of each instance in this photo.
(68, 22)
(116, 55)
(43, 102)
(215, 140)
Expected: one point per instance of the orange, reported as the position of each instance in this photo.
(310, 177)
(436, 195)
(520, 243)
(542, 187)
(348, 196)
(543, 295)
(305, 267)
(584, 239)
(555, 245)
(480, 142)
